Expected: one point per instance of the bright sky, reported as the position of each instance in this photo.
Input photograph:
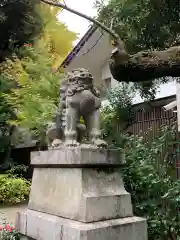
(74, 22)
(165, 90)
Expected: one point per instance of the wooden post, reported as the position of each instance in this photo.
(178, 104)
(178, 129)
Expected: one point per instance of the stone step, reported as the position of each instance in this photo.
(42, 226)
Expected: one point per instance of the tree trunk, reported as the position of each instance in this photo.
(5, 165)
(144, 66)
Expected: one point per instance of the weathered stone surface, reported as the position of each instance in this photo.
(25, 238)
(77, 193)
(34, 225)
(83, 194)
(83, 155)
(41, 226)
(78, 98)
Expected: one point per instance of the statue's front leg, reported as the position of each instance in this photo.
(54, 135)
(93, 128)
(70, 128)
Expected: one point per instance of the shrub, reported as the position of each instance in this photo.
(149, 172)
(8, 232)
(18, 170)
(118, 110)
(155, 194)
(13, 190)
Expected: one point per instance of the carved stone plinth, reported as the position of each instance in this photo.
(78, 193)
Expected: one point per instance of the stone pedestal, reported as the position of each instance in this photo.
(77, 193)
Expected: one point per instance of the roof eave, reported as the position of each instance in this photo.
(78, 46)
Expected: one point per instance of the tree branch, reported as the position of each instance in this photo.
(96, 22)
(144, 66)
(118, 42)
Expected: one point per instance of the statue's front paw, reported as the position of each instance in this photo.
(56, 143)
(100, 143)
(71, 143)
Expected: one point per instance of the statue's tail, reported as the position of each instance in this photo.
(62, 105)
(56, 128)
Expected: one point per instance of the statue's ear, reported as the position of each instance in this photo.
(114, 51)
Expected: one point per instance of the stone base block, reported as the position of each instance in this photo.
(25, 238)
(41, 226)
(79, 183)
(82, 156)
(82, 194)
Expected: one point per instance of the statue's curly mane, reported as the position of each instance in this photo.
(76, 81)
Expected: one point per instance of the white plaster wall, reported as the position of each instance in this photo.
(105, 73)
(93, 55)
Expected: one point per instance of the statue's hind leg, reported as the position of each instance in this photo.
(70, 129)
(54, 135)
(93, 128)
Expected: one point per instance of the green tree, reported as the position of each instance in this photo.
(35, 99)
(154, 191)
(144, 24)
(56, 38)
(37, 95)
(117, 112)
(147, 29)
(142, 66)
(20, 22)
(31, 71)
(6, 129)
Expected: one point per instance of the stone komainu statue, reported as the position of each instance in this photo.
(78, 98)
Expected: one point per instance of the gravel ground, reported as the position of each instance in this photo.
(8, 213)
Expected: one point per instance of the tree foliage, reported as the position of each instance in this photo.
(155, 193)
(117, 112)
(20, 22)
(36, 95)
(5, 114)
(143, 25)
(35, 98)
(30, 69)
(56, 38)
